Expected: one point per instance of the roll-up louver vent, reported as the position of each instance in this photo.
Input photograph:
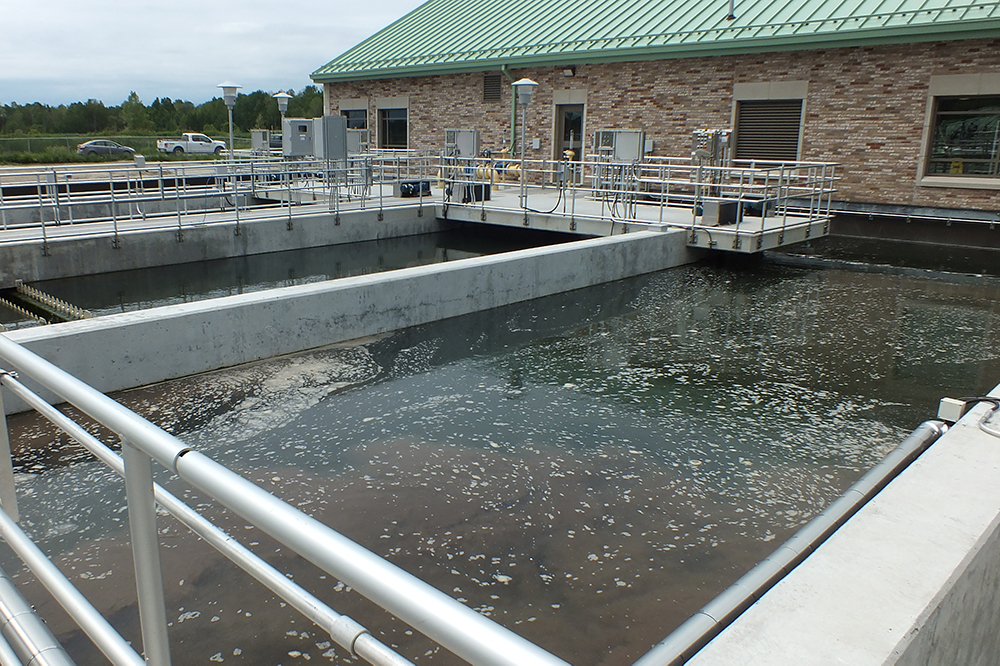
(768, 129)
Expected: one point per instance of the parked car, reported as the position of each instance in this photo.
(191, 142)
(104, 147)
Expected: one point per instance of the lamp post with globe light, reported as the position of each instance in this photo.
(523, 88)
(229, 97)
(282, 99)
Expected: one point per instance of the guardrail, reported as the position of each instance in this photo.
(456, 627)
(135, 197)
(749, 196)
(676, 192)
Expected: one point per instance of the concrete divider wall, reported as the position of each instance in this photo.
(912, 579)
(138, 348)
(960, 627)
(68, 257)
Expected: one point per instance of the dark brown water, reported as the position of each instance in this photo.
(587, 469)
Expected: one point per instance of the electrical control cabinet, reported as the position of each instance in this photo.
(461, 143)
(620, 145)
(297, 137)
(330, 136)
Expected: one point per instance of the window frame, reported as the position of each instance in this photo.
(945, 87)
(348, 113)
(383, 129)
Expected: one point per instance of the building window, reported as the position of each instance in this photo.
(356, 118)
(392, 128)
(965, 138)
(768, 129)
(492, 87)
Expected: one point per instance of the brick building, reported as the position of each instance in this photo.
(903, 93)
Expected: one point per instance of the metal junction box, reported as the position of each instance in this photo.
(461, 143)
(620, 145)
(330, 134)
(260, 140)
(358, 141)
(297, 137)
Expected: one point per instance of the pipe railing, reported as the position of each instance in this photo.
(764, 193)
(445, 620)
(116, 200)
(37, 201)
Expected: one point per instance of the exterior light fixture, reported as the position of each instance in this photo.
(524, 88)
(569, 71)
(229, 97)
(282, 99)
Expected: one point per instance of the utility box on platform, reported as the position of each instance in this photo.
(297, 137)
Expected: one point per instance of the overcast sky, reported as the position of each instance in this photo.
(64, 51)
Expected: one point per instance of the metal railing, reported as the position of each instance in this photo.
(137, 197)
(762, 195)
(672, 192)
(456, 627)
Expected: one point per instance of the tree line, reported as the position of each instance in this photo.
(164, 116)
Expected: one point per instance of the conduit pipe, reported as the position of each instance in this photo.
(513, 110)
(707, 623)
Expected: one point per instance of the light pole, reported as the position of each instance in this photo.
(282, 99)
(229, 96)
(523, 88)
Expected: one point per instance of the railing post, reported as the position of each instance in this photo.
(3, 207)
(236, 197)
(115, 243)
(146, 554)
(53, 179)
(177, 203)
(8, 493)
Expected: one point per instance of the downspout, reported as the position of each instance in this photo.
(513, 110)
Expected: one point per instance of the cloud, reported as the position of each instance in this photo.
(65, 51)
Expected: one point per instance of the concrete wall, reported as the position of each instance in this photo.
(70, 257)
(137, 348)
(865, 107)
(912, 579)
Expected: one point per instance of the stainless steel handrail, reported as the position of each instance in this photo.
(26, 639)
(348, 634)
(458, 628)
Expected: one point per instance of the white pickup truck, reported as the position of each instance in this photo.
(190, 142)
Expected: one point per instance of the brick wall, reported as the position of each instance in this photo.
(865, 107)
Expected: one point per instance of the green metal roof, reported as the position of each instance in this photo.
(443, 36)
